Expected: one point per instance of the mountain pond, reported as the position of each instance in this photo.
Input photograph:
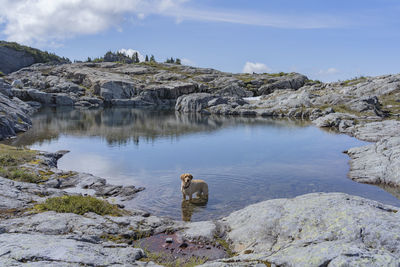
(244, 160)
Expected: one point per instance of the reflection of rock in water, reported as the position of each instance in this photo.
(394, 190)
(189, 207)
(123, 125)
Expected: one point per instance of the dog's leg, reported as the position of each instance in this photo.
(183, 196)
(190, 197)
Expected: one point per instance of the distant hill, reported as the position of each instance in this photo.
(14, 56)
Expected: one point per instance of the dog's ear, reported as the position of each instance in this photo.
(190, 176)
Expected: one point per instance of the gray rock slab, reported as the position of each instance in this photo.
(17, 195)
(199, 231)
(374, 131)
(58, 249)
(12, 60)
(378, 163)
(315, 229)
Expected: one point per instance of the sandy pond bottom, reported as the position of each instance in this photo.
(243, 160)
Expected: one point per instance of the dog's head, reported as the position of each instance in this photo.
(186, 179)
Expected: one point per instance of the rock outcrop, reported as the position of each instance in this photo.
(12, 60)
(138, 85)
(14, 56)
(314, 230)
(14, 113)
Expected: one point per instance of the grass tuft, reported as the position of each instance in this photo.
(20, 175)
(353, 81)
(166, 260)
(79, 205)
(226, 246)
(13, 156)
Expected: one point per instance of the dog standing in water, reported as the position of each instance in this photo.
(190, 186)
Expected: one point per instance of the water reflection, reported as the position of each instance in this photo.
(191, 206)
(243, 160)
(123, 126)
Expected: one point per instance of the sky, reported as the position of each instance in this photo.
(328, 40)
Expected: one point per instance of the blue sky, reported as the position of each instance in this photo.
(326, 40)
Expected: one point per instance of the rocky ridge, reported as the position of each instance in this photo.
(137, 85)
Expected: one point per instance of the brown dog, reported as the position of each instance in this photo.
(190, 186)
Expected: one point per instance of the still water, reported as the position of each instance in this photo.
(243, 160)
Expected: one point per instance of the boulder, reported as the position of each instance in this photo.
(17, 84)
(194, 102)
(335, 120)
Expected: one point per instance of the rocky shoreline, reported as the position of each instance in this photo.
(320, 229)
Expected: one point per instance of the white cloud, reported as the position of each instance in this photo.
(39, 21)
(43, 21)
(251, 67)
(329, 71)
(129, 52)
(186, 61)
(309, 21)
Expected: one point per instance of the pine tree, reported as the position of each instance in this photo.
(136, 58)
(152, 59)
(178, 61)
(147, 58)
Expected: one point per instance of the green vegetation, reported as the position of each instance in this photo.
(120, 58)
(79, 205)
(246, 78)
(13, 156)
(314, 81)
(10, 160)
(391, 102)
(173, 61)
(168, 260)
(279, 74)
(20, 175)
(2, 74)
(354, 81)
(226, 246)
(38, 55)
